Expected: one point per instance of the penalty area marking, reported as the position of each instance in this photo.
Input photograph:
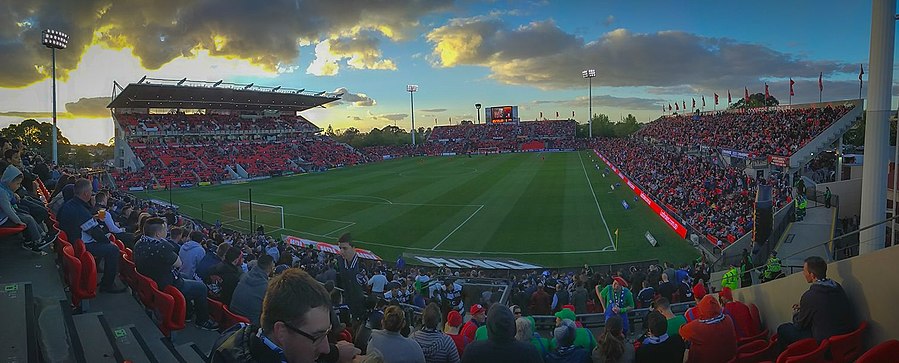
(464, 252)
(364, 196)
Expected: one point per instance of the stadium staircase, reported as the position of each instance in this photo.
(829, 136)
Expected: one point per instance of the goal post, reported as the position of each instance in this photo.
(265, 214)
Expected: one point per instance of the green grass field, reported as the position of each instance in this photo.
(552, 209)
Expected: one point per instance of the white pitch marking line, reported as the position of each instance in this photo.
(590, 184)
(340, 229)
(364, 196)
(373, 202)
(427, 249)
(457, 228)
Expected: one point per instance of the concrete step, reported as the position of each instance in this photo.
(19, 336)
(93, 339)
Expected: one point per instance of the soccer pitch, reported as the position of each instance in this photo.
(552, 209)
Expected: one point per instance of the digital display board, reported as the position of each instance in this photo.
(501, 114)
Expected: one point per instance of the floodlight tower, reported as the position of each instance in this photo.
(589, 74)
(54, 40)
(412, 88)
(478, 107)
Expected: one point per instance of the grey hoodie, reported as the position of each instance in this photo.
(248, 295)
(191, 253)
(6, 208)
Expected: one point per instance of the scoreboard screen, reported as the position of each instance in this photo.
(501, 114)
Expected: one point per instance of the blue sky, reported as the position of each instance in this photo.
(526, 53)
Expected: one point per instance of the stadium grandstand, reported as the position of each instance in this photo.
(703, 171)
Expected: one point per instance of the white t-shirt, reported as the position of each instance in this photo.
(377, 283)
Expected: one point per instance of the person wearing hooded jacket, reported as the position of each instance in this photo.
(250, 291)
(191, 253)
(500, 345)
(9, 182)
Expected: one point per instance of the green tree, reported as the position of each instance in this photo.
(755, 100)
(35, 135)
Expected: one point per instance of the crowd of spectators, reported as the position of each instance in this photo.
(276, 285)
(202, 123)
(759, 133)
(192, 159)
(715, 199)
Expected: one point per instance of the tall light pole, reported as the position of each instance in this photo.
(412, 88)
(54, 40)
(589, 74)
(478, 107)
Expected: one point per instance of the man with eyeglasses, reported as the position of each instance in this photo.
(295, 326)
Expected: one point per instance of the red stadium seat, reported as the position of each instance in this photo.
(128, 272)
(756, 317)
(10, 231)
(756, 356)
(818, 355)
(81, 275)
(848, 347)
(751, 347)
(176, 320)
(798, 348)
(219, 313)
(763, 335)
(169, 306)
(145, 287)
(887, 351)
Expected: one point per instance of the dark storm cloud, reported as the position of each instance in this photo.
(543, 55)
(266, 33)
(89, 107)
(630, 103)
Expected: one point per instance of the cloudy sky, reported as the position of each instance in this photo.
(527, 52)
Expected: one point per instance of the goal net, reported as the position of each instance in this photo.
(271, 216)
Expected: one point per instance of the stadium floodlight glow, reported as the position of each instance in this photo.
(589, 74)
(54, 40)
(412, 88)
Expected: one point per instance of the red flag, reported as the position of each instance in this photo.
(685, 105)
(746, 96)
(669, 107)
(703, 100)
(861, 71)
(791, 87)
(821, 82)
(676, 107)
(716, 99)
(694, 103)
(766, 92)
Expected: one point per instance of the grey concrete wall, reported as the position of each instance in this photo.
(850, 192)
(869, 281)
